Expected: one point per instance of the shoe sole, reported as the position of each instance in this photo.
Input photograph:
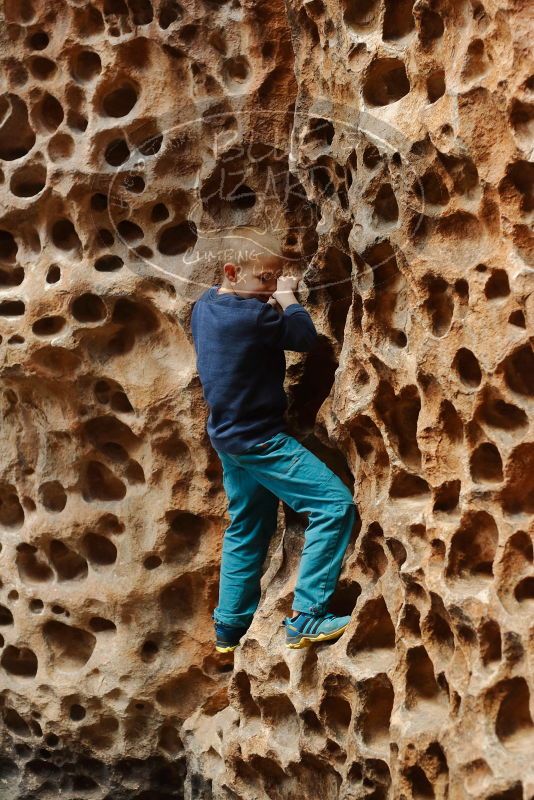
(225, 649)
(306, 641)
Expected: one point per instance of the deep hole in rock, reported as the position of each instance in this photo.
(451, 422)
(184, 536)
(490, 641)
(99, 483)
(486, 464)
(11, 277)
(129, 231)
(149, 651)
(64, 235)
(159, 212)
(32, 567)
(435, 85)
(336, 712)
(385, 205)
(28, 181)
(99, 550)
(497, 285)
(101, 624)
(514, 722)
(473, 546)
(108, 263)
(398, 19)
(38, 40)
(11, 308)
(8, 246)
(420, 678)
(447, 496)
(524, 590)
(360, 14)
(42, 68)
(386, 82)
(410, 620)
(315, 384)
(15, 723)
(77, 712)
(420, 785)
(371, 156)
(518, 370)
(53, 496)
(88, 307)
(375, 628)
(320, 131)
(177, 239)
(242, 694)
(68, 564)
(467, 367)
(439, 304)
(497, 413)
(406, 485)
(517, 318)
(6, 616)
(120, 101)
(431, 27)
(517, 496)
(378, 698)
(48, 326)
(431, 189)
(71, 647)
(463, 172)
(19, 661)
(117, 152)
(438, 631)
(11, 511)
(49, 112)
(16, 134)
(87, 65)
(138, 317)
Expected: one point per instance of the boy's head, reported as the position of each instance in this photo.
(251, 262)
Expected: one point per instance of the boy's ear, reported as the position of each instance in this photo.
(231, 271)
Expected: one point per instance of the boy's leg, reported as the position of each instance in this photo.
(253, 511)
(290, 471)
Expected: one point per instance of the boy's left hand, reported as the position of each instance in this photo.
(274, 303)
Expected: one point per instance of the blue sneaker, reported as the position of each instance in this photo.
(304, 629)
(227, 637)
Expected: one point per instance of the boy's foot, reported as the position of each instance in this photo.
(227, 637)
(304, 629)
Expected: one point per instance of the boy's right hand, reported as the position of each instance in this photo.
(286, 283)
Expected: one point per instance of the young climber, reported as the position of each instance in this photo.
(240, 329)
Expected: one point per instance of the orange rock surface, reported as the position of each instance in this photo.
(394, 140)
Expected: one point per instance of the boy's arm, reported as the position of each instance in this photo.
(293, 329)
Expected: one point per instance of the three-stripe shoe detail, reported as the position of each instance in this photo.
(304, 629)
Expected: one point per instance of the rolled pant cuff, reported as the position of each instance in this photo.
(234, 621)
(313, 610)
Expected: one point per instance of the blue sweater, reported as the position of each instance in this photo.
(240, 343)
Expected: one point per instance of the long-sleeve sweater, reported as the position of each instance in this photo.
(240, 343)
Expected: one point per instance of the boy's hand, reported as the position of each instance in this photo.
(274, 303)
(285, 286)
(286, 283)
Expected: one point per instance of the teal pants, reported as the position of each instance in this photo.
(254, 481)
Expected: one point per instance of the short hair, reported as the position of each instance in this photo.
(242, 244)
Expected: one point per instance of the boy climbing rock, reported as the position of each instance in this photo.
(241, 328)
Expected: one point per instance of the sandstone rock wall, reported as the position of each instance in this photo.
(395, 138)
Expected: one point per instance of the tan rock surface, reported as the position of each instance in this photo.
(396, 139)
